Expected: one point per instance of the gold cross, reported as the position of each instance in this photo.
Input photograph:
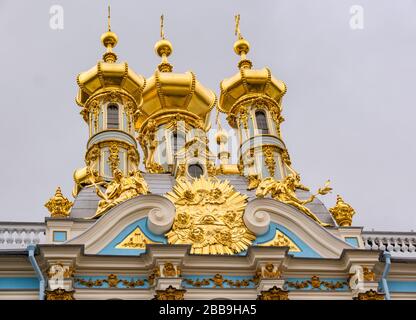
(162, 32)
(109, 19)
(237, 26)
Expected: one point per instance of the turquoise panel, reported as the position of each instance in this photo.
(306, 251)
(402, 286)
(59, 236)
(19, 283)
(352, 241)
(111, 249)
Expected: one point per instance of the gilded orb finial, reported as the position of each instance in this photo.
(163, 49)
(58, 205)
(241, 46)
(342, 212)
(109, 39)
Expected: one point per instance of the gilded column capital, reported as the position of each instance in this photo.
(274, 293)
(170, 293)
(370, 295)
(59, 294)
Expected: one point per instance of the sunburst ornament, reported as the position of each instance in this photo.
(209, 215)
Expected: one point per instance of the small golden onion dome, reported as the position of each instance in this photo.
(249, 82)
(167, 94)
(109, 74)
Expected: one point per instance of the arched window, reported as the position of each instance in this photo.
(261, 121)
(112, 117)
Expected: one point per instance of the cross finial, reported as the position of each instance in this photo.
(237, 31)
(162, 31)
(109, 19)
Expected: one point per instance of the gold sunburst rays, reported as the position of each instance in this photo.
(209, 216)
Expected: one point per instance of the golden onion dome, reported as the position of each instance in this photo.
(248, 82)
(109, 74)
(168, 94)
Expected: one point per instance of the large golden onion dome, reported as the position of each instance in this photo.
(109, 74)
(248, 83)
(170, 94)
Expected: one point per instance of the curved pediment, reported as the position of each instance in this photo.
(121, 221)
(297, 226)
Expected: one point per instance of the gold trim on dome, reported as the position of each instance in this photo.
(281, 240)
(135, 240)
(209, 216)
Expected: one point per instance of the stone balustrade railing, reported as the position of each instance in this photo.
(397, 243)
(16, 235)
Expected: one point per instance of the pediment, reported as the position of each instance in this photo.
(120, 222)
(303, 231)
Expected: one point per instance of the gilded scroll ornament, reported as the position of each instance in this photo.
(135, 240)
(253, 181)
(274, 293)
(281, 240)
(119, 190)
(342, 212)
(58, 205)
(112, 280)
(316, 283)
(218, 281)
(209, 216)
(285, 191)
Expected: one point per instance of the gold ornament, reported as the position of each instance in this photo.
(370, 295)
(58, 205)
(271, 272)
(119, 190)
(209, 215)
(253, 182)
(285, 191)
(169, 270)
(274, 293)
(281, 240)
(369, 274)
(135, 240)
(113, 158)
(170, 293)
(268, 152)
(59, 294)
(342, 212)
(317, 283)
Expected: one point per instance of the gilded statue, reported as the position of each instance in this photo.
(119, 190)
(285, 191)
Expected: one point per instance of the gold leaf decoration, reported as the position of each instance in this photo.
(209, 216)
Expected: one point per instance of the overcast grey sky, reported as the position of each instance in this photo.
(349, 108)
